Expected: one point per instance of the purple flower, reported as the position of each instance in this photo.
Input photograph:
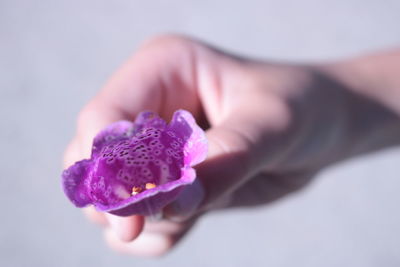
(139, 167)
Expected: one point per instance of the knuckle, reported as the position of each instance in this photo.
(168, 46)
(85, 116)
(70, 153)
(168, 40)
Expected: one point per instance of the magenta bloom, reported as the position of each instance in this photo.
(139, 167)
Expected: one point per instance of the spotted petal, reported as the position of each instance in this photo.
(139, 167)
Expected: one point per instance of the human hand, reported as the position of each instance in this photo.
(270, 127)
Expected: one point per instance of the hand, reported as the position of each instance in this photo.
(271, 128)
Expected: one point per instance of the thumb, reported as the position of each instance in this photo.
(222, 172)
(228, 165)
(238, 149)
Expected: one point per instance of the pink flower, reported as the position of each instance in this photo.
(139, 167)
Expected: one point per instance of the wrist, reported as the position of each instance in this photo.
(370, 108)
(375, 76)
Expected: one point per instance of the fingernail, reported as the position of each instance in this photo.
(187, 202)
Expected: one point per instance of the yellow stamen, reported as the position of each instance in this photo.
(150, 185)
(136, 190)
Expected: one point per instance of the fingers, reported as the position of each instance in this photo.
(147, 245)
(157, 239)
(238, 148)
(160, 77)
(95, 116)
(125, 228)
(122, 233)
(95, 216)
(72, 153)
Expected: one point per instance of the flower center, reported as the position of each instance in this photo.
(129, 167)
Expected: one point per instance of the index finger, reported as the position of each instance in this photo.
(160, 77)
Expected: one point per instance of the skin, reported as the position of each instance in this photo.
(271, 126)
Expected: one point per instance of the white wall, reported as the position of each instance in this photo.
(54, 55)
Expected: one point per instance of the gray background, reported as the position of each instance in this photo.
(54, 55)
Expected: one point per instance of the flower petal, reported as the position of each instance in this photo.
(73, 182)
(150, 202)
(184, 125)
(147, 119)
(122, 130)
(116, 131)
(139, 167)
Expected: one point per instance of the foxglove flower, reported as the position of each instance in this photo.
(139, 167)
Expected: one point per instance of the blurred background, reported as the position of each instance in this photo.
(55, 55)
